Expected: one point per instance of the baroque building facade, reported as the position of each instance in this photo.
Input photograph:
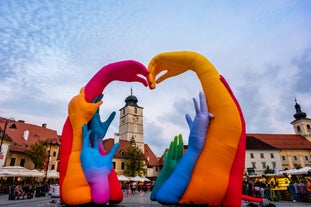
(289, 150)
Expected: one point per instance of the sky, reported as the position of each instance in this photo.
(50, 49)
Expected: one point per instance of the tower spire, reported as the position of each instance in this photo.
(299, 114)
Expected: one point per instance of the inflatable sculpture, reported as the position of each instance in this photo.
(86, 173)
(218, 161)
(210, 172)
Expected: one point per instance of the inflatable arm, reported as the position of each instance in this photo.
(74, 189)
(224, 147)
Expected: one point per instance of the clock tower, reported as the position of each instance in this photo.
(301, 124)
(131, 122)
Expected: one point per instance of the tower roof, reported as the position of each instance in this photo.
(299, 114)
(131, 100)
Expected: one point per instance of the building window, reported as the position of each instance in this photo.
(254, 165)
(54, 154)
(262, 155)
(306, 158)
(271, 155)
(114, 165)
(283, 158)
(308, 127)
(122, 152)
(53, 167)
(298, 129)
(22, 162)
(135, 110)
(251, 155)
(12, 162)
(295, 158)
(273, 165)
(122, 166)
(123, 111)
(264, 166)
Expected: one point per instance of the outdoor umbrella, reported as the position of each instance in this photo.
(136, 178)
(122, 178)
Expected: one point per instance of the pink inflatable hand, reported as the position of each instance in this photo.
(128, 71)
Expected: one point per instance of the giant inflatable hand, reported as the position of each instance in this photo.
(224, 147)
(171, 159)
(96, 167)
(74, 188)
(99, 130)
(172, 190)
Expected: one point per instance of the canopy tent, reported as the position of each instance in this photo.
(136, 178)
(301, 171)
(51, 174)
(140, 179)
(123, 178)
(18, 171)
(145, 179)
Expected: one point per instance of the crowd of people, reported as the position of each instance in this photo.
(23, 192)
(299, 190)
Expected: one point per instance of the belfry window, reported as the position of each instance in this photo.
(298, 129)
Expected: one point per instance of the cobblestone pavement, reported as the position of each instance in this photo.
(138, 199)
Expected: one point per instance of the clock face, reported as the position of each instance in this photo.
(135, 118)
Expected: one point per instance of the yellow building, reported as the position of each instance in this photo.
(16, 141)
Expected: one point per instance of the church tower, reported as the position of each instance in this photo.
(301, 124)
(131, 122)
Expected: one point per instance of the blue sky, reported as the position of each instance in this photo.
(50, 49)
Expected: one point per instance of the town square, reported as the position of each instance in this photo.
(134, 103)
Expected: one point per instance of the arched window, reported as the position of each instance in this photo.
(308, 127)
(298, 129)
(135, 110)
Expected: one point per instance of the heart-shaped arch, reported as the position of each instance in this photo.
(220, 164)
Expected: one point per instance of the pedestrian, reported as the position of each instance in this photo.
(297, 193)
(129, 190)
(291, 189)
(302, 189)
(309, 186)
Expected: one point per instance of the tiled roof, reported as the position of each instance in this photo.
(124, 144)
(254, 143)
(283, 141)
(151, 159)
(36, 133)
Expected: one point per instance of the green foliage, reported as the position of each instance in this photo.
(37, 154)
(134, 164)
(269, 171)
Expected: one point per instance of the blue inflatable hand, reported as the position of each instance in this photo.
(96, 167)
(175, 186)
(98, 128)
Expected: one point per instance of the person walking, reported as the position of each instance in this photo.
(309, 186)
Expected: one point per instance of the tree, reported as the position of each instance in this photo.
(37, 154)
(134, 164)
(269, 171)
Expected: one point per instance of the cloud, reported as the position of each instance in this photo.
(50, 49)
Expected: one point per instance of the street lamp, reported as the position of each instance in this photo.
(6, 122)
